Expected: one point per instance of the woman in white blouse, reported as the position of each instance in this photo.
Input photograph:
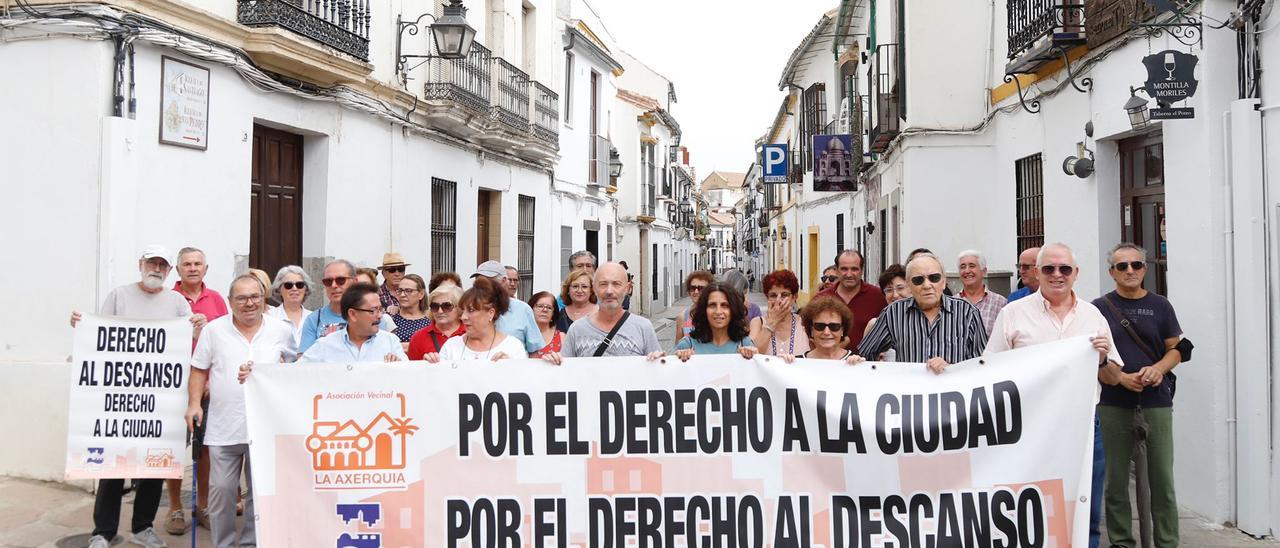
(481, 306)
(291, 287)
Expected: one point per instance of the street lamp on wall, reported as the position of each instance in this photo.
(1136, 107)
(615, 163)
(450, 32)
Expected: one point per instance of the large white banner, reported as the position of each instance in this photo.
(719, 451)
(128, 397)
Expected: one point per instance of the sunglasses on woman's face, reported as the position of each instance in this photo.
(830, 279)
(1124, 267)
(834, 327)
(1065, 269)
(294, 285)
(441, 307)
(933, 279)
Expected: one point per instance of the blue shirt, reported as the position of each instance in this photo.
(519, 322)
(317, 322)
(700, 347)
(1020, 293)
(337, 348)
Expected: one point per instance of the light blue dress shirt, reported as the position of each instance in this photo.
(338, 348)
(519, 322)
(317, 322)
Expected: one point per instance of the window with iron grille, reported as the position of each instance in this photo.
(839, 232)
(566, 249)
(524, 243)
(1030, 202)
(444, 207)
(812, 121)
(650, 176)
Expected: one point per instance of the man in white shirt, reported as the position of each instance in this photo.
(229, 342)
(362, 340)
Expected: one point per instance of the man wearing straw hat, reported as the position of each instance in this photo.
(392, 269)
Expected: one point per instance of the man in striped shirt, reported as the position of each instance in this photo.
(929, 327)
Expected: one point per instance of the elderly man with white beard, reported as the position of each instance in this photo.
(148, 299)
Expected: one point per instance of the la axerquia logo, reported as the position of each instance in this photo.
(359, 440)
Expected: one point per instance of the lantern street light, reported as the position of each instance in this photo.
(450, 32)
(615, 163)
(1136, 107)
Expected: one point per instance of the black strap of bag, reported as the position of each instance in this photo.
(608, 339)
(434, 340)
(1128, 328)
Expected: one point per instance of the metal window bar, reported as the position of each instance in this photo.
(651, 178)
(464, 81)
(444, 207)
(546, 114)
(511, 96)
(524, 243)
(1030, 21)
(1030, 202)
(885, 107)
(340, 24)
(599, 160)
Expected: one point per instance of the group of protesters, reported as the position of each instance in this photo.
(911, 317)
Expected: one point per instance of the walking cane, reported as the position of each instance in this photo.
(195, 486)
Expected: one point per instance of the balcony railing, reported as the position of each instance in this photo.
(464, 81)
(546, 114)
(511, 99)
(599, 161)
(887, 87)
(1036, 26)
(340, 24)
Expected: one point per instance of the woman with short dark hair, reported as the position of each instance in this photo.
(827, 322)
(779, 333)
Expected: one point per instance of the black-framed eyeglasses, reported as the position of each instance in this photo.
(830, 279)
(694, 288)
(834, 327)
(375, 311)
(393, 269)
(1064, 269)
(1124, 267)
(294, 285)
(933, 279)
(405, 290)
(440, 307)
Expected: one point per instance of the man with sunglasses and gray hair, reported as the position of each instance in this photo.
(929, 326)
(338, 275)
(1053, 313)
(1141, 405)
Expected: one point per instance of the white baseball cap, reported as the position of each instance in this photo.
(154, 251)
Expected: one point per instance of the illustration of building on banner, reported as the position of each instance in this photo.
(354, 436)
(369, 515)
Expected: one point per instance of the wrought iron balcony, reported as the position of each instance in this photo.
(511, 100)
(598, 170)
(463, 81)
(887, 106)
(1036, 27)
(546, 114)
(340, 24)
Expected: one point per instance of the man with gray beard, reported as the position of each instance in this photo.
(148, 299)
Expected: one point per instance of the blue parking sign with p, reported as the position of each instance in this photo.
(776, 162)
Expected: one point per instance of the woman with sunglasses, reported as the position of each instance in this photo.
(719, 325)
(446, 322)
(578, 298)
(291, 288)
(411, 315)
(548, 315)
(481, 306)
(694, 283)
(779, 333)
(827, 322)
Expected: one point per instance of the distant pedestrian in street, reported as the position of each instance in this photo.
(863, 300)
(291, 287)
(828, 279)
(1147, 336)
(446, 322)
(1028, 273)
(719, 325)
(228, 344)
(393, 269)
(513, 282)
(579, 298)
(482, 307)
(827, 322)
(363, 339)
(1052, 313)
(610, 331)
(516, 319)
(338, 276)
(751, 281)
(780, 332)
(412, 316)
(694, 283)
(973, 275)
(928, 327)
(146, 299)
(545, 312)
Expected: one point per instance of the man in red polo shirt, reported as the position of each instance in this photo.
(864, 301)
(191, 270)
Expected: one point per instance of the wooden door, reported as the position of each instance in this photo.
(275, 232)
(482, 227)
(1142, 209)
